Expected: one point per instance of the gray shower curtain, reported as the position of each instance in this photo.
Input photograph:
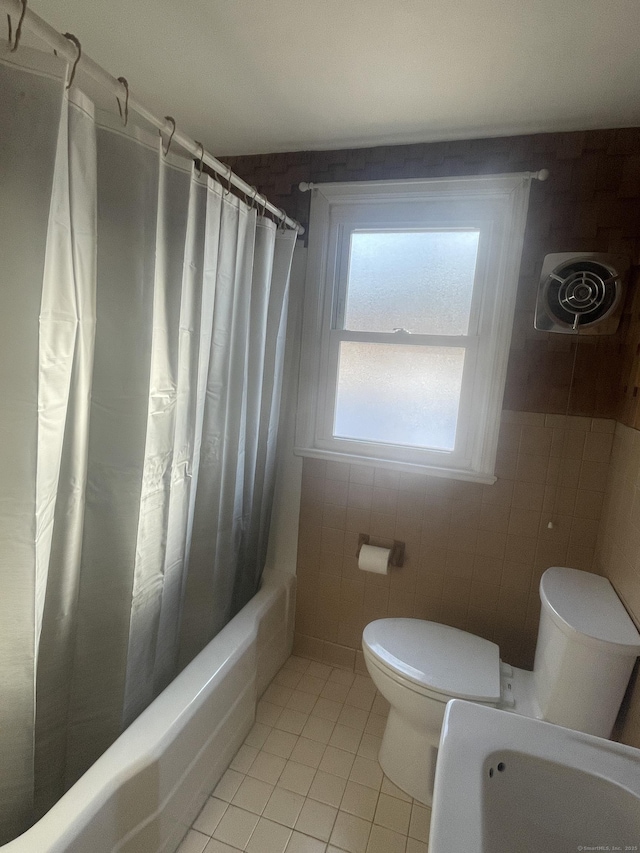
(141, 332)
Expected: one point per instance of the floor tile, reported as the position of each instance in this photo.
(267, 712)
(280, 743)
(193, 842)
(291, 720)
(277, 694)
(317, 728)
(359, 800)
(392, 813)
(210, 816)
(327, 788)
(300, 843)
(414, 846)
(360, 699)
(369, 746)
(296, 777)
(350, 833)
(269, 837)
(288, 678)
(303, 702)
(228, 785)
(319, 670)
(346, 738)
(308, 752)
(215, 846)
(311, 684)
(257, 735)
(267, 767)
(335, 691)
(252, 795)
(337, 761)
(355, 718)
(307, 778)
(316, 819)
(342, 676)
(420, 820)
(296, 663)
(389, 788)
(244, 758)
(384, 840)
(380, 705)
(366, 772)
(327, 709)
(284, 807)
(375, 725)
(236, 827)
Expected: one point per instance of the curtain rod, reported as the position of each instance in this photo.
(541, 175)
(69, 51)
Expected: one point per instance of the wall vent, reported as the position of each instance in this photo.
(581, 293)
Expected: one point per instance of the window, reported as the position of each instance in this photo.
(409, 303)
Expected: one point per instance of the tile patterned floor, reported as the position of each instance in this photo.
(307, 779)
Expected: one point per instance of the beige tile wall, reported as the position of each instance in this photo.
(474, 553)
(618, 550)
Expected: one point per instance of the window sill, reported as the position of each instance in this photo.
(392, 464)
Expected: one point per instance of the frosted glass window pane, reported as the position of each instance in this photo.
(398, 394)
(421, 281)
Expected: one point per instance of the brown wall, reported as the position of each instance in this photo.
(591, 202)
(475, 553)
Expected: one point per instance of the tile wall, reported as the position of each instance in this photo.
(618, 550)
(474, 553)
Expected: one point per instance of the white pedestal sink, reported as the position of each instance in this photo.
(510, 784)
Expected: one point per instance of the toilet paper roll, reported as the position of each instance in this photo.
(374, 559)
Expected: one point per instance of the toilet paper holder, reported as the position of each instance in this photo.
(396, 557)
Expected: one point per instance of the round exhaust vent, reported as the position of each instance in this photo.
(580, 292)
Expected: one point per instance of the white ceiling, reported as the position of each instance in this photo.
(255, 76)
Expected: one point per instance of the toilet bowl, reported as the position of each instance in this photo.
(586, 648)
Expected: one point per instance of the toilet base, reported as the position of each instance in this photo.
(408, 757)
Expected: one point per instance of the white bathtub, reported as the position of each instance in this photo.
(142, 795)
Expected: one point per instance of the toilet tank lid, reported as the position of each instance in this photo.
(586, 604)
(442, 659)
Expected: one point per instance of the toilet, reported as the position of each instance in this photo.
(586, 649)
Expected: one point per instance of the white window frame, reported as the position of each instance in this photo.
(497, 206)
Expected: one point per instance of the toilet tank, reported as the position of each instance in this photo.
(587, 646)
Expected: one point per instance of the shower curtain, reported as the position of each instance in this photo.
(142, 321)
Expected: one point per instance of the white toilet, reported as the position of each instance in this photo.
(587, 646)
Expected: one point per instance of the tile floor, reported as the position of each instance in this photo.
(307, 779)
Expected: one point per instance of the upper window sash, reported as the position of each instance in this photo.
(345, 233)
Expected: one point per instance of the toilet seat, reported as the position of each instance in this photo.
(435, 660)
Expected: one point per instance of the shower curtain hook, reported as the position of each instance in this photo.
(201, 158)
(228, 179)
(73, 39)
(18, 28)
(124, 115)
(253, 197)
(173, 130)
(283, 220)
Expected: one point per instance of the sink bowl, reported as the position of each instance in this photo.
(510, 784)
